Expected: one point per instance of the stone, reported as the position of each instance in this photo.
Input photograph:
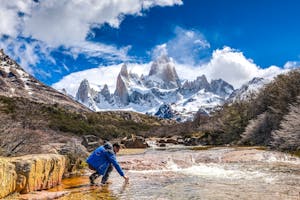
(29, 173)
(38, 172)
(75, 154)
(42, 195)
(135, 142)
(8, 177)
(91, 142)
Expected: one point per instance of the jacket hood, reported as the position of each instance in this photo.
(108, 147)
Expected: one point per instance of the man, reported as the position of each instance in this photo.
(102, 160)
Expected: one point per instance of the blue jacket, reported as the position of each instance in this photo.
(102, 157)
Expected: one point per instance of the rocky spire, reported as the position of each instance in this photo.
(121, 92)
(105, 93)
(83, 92)
(195, 86)
(124, 72)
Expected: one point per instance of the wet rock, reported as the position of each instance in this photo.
(38, 172)
(162, 145)
(8, 177)
(30, 173)
(43, 195)
(172, 140)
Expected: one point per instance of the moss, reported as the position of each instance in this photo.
(296, 153)
(8, 105)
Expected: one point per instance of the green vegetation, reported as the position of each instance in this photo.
(106, 125)
(270, 118)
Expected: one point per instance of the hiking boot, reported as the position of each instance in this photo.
(93, 178)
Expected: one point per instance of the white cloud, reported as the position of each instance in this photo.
(232, 66)
(292, 65)
(186, 47)
(68, 23)
(27, 53)
(228, 64)
(10, 21)
(99, 76)
(90, 49)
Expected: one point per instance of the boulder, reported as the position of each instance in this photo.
(91, 142)
(135, 142)
(30, 173)
(38, 172)
(8, 177)
(75, 154)
(192, 141)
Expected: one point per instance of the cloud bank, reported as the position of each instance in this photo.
(66, 23)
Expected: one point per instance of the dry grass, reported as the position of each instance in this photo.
(128, 151)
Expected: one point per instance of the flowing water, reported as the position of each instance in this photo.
(216, 173)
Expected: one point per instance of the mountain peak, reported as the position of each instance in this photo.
(83, 91)
(121, 91)
(16, 82)
(124, 71)
(163, 74)
(221, 87)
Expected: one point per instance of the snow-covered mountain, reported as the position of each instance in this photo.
(157, 90)
(248, 90)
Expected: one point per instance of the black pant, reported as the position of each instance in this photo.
(105, 176)
(107, 173)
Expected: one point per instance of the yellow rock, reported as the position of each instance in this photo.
(30, 173)
(41, 171)
(8, 177)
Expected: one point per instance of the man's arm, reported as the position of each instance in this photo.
(113, 160)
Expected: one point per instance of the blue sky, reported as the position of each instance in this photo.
(54, 38)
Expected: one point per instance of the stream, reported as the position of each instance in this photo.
(182, 173)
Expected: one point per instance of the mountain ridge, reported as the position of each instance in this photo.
(162, 86)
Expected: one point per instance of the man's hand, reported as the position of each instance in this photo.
(126, 179)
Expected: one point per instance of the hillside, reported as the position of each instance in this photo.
(269, 118)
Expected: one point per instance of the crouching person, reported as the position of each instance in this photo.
(102, 161)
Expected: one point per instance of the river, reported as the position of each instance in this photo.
(182, 173)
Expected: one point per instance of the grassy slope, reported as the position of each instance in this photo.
(24, 122)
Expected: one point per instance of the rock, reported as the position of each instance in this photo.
(193, 141)
(135, 142)
(38, 172)
(165, 111)
(30, 173)
(190, 87)
(83, 92)
(162, 145)
(91, 142)
(121, 91)
(105, 93)
(163, 74)
(8, 177)
(42, 195)
(75, 155)
(221, 88)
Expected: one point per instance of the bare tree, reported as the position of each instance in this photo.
(288, 136)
